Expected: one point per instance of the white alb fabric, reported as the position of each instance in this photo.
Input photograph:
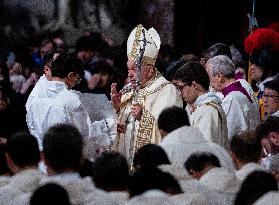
(241, 113)
(276, 114)
(184, 141)
(189, 199)
(270, 198)
(247, 169)
(51, 102)
(23, 182)
(210, 118)
(249, 90)
(4, 180)
(151, 197)
(192, 186)
(78, 188)
(100, 197)
(223, 182)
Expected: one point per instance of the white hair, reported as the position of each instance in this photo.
(274, 163)
(222, 64)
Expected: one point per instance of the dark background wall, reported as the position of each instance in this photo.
(191, 24)
(200, 23)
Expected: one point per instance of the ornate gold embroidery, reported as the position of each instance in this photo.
(147, 123)
(135, 49)
(145, 130)
(148, 60)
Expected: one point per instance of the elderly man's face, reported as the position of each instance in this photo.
(147, 71)
(215, 79)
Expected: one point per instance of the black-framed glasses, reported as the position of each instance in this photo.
(78, 80)
(181, 87)
(270, 96)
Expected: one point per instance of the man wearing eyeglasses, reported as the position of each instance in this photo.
(208, 115)
(271, 97)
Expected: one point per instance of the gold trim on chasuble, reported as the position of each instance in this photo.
(146, 126)
(147, 123)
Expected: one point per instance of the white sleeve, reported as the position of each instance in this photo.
(236, 121)
(206, 119)
(168, 96)
(80, 118)
(102, 135)
(104, 132)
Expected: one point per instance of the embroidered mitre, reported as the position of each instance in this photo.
(135, 43)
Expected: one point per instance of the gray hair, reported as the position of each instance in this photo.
(222, 64)
(274, 163)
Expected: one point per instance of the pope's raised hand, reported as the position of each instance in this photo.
(115, 97)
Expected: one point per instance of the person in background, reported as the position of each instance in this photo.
(22, 156)
(264, 65)
(254, 186)
(102, 76)
(240, 109)
(60, 104)
(208, 115)
(271, 97)
(89, 50)
(16, 77)
(172, 118)
(246, 150)
(46, 45)
(150, 155)
(50, 194)
(215, 50)
(268, 132)
(5, 171)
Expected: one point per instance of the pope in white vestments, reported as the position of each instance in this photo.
(155, 94)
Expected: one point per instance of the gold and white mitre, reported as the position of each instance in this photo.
(134, 43)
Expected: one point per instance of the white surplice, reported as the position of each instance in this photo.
(51, 102)
(186, 140)
(210, 118)
(23, 182)
(269, 198)
(247, 169)
(154, 197)
(223, 182)
(242, 114)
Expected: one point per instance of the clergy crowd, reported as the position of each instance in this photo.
(196, 129)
